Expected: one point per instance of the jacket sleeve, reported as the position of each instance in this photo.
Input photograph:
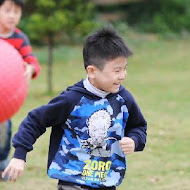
(136, 126)
(36, 122)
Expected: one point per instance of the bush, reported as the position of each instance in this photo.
(160, 16)
(47, 20)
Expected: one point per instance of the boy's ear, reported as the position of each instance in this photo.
(91, 71)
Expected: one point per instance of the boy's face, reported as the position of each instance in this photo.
(10, 15)
(110, 77)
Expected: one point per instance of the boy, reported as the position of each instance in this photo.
(95, 122)
(10, 14)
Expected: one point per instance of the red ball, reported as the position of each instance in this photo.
(13, 85)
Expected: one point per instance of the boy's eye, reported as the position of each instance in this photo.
(16, 11)
(119, 70)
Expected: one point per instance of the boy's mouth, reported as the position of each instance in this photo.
(117, 84)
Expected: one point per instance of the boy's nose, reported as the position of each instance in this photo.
(122, 75)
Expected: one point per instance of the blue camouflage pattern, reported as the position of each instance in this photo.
(89, 152)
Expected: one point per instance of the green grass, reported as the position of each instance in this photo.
(158, 77)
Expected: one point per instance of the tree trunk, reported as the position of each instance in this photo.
(50, 63)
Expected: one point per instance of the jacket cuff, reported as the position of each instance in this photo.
(20, 153)
(136, 142)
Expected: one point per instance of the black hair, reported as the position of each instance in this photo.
(20, 3)
(104, 45)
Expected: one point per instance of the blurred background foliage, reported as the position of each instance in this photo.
(69, 21)
(47, 21)
(160, 16)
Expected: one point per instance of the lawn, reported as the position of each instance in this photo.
(158, 77)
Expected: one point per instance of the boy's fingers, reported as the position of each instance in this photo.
(127, 145)
(5, 172)
(125, 141)
(15, 176)
(20, 173)
(11, 174)
(14, 170)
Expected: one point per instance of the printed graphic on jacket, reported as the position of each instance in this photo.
(89, 152)
(98, 125)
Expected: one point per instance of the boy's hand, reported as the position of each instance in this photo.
(29, 70)
(14, 170)
(127, 145)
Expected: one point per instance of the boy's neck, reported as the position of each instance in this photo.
(6, 33)
(91, 88)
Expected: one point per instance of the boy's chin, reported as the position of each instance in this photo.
(10, 27)
(114, 90)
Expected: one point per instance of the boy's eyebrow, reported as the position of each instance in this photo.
(120, 66)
